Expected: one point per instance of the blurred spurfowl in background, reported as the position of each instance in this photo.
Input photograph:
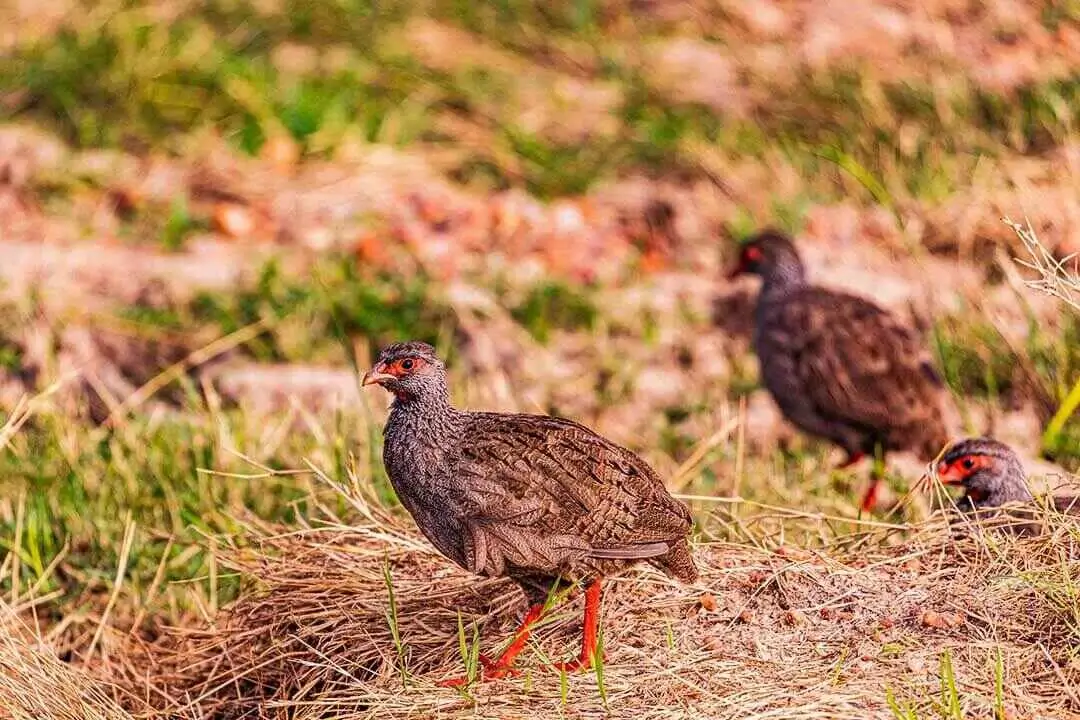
(839, 366)
(991, 474)
(533, 498)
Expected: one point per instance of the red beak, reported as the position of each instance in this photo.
(376, 375)
(949, 475)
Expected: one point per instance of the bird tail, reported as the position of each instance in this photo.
(678, 563)
(641, 551)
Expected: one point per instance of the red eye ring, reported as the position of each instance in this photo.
(752, 253)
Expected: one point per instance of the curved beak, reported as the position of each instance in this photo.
(948, 475)
(376, 376)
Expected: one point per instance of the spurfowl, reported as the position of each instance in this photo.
(989, 472)
(839, 366)
(991, 475)
(537, 499)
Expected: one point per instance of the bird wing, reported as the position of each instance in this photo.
(857, 363)
(543, 491)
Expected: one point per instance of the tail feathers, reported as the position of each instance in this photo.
(673, 558)
(679, 563)
(631, 552)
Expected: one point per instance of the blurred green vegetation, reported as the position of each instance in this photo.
(979, 364)
(123, 77)
(554, 305)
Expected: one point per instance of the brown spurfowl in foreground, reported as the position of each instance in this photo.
(839, 366)
(991, 475)
(537, 499)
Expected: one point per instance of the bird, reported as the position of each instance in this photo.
(838, 366)
(992, 477)
(541, 500)
(988, 470)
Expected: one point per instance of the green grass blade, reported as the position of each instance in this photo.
(999, 685)
(1057, 423)
(392, 621)
(950, 697)
(900, 711)
(598, 668)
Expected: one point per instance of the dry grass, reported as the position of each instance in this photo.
(864, 627)
(35, 685)
(1057, 277)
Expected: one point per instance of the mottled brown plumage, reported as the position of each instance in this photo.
(839, 366)
(533, 498)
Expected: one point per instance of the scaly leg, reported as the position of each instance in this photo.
(503, 665)
(870, 497)
(869, 500)
(589, 630)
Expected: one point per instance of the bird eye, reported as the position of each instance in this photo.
(407, 364)
(752, 253)
(968, 463)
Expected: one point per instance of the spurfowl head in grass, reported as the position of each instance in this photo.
(536, 499)
(995, 486)
(839, 366)
(989, 471)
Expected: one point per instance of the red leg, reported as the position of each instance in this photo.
(589, 630)
(870, 498)
(503, 665)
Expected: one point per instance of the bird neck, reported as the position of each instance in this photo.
(1009, 487)
(1015, 485)
(428, 415)
(784, 276)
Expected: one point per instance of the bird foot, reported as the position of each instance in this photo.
(569, 666)
(870, 499)
(582, 662)
(489, 670)
(503, 665)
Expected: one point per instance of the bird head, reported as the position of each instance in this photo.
(989, 471)
(409, 370)
(765, 251)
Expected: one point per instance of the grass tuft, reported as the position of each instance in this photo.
(347, 650)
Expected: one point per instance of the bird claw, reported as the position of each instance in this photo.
(570, 666)
(489, 670)
(457, 682)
